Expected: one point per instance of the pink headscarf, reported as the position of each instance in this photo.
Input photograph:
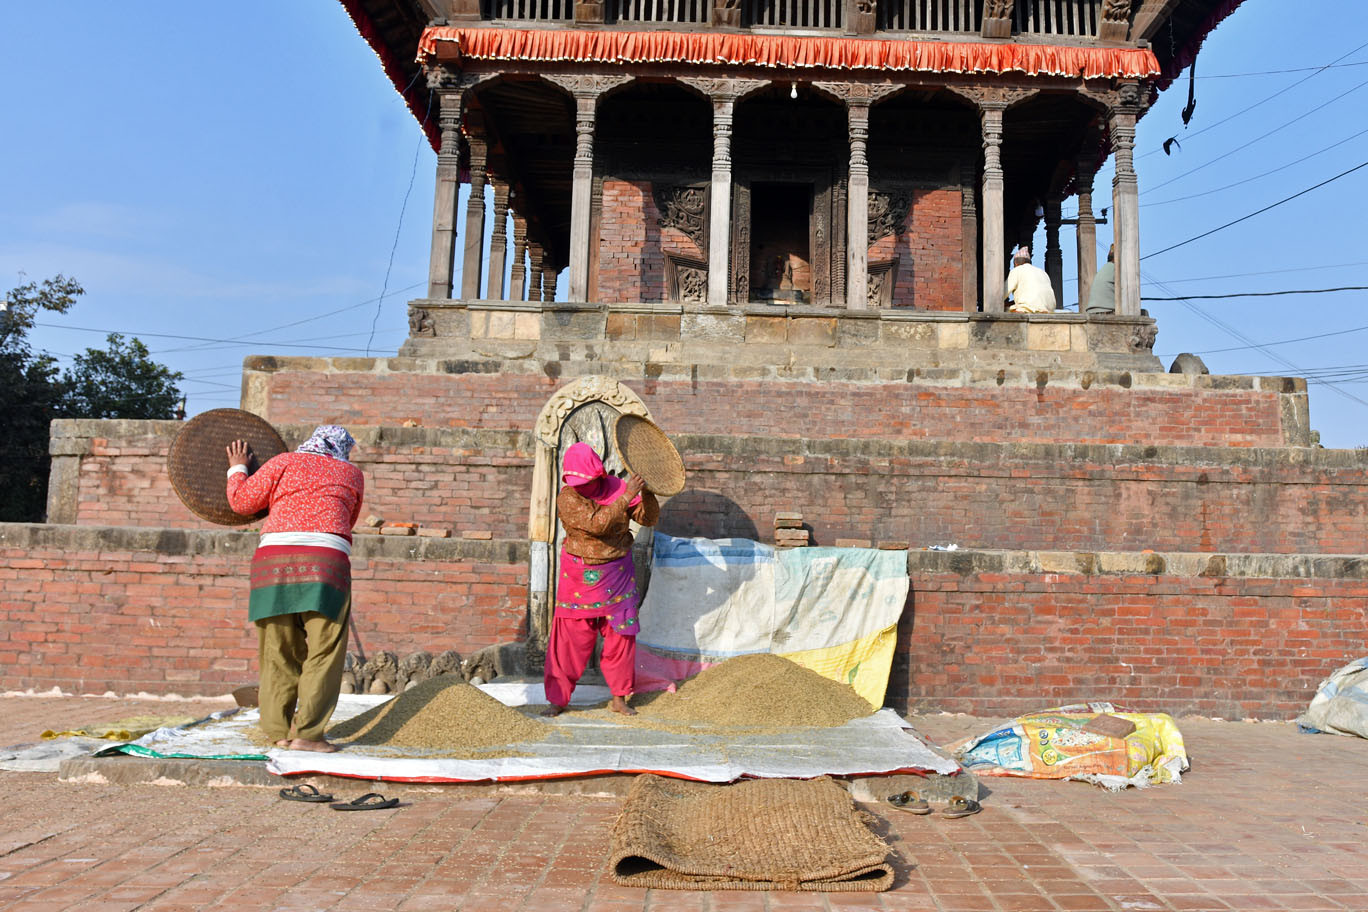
(583, 470)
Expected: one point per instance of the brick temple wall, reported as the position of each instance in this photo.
(988, 632)
(1001, 636)
(929, 251)
(630, 256)
(1014, 496)
(127, 610)
(1031, 407)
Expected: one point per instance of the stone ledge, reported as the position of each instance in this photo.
(963, 563)
(75, 437)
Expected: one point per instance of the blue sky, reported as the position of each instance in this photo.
(219, 172)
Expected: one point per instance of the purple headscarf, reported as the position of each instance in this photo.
(329, 440)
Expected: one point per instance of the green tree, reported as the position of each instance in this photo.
(121, 381)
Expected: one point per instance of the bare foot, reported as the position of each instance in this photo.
(283, 742)
(619, 705)
(322, 747)
(552, 711)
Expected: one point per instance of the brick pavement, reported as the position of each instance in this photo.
(1267, 819)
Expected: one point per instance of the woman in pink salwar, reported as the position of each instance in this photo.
(596, 591)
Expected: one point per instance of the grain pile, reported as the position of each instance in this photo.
(442, 714)
(761, 691)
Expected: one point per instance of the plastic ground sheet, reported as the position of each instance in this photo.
(578, 745)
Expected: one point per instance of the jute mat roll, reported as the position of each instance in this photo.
(759, 834)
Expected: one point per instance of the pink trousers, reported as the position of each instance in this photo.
(571, 647)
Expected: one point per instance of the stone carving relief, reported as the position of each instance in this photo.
(1142, 340)
(693, 285)
(882, 277)
(421, 323)
(685, 209)
(586, 389)
(888, 213)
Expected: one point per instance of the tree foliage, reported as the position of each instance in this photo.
(121, 381)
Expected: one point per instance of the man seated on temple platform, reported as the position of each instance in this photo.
(1102, 293)
(1029, 286)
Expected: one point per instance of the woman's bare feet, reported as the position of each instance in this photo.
(552, 711)
(321, 747)
(619, 705)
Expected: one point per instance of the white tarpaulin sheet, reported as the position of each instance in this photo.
(578, 745)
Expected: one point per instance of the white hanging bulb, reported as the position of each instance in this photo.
(793, 91)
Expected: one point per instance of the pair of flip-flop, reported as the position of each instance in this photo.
(371, 801)
(913, 803)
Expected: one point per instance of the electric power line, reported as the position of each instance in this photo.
(1190, 196)
(1328, 66)
(1256, 212)
(152, 335)
(1260, 138)
(1262, 101)
(1259, 294)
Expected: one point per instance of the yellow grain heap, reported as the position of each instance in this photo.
(443, 713)
(761, 691)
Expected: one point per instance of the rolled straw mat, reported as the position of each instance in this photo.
(759, 834)
(197, 461)
(646, 450)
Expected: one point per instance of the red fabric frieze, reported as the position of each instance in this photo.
(783, 51)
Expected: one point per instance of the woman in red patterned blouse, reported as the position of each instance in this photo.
(301, 579)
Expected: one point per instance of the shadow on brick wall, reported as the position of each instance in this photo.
(706, 514)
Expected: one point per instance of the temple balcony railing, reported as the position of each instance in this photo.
(1048, 19)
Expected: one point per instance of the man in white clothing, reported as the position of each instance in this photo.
(1029, 286)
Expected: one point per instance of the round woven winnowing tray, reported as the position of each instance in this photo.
(646, 450)
(197, 461)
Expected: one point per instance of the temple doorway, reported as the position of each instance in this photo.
(781, 254)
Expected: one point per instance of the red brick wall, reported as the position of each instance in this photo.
(1006, 644)
(978, 496)
(93, 620)
(898, 411)
(632, 245)
(930, 252)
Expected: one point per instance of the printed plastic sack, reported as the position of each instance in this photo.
(1340, 706)
(1054, 745)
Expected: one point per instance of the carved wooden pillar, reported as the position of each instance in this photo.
(857, 207)
(443, 257)
(1087, 228)
(861, 16)
(719, 201)
(589, 12)
(498, 243)
(1115, 20)
(587, 90)
(969, 252)
(997, 19)
(1054, 256)
(726, 13)
(994, 227)
(1126, 201)
(536, 257)
(475, 215)
(517, 275)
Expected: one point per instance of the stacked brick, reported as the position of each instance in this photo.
(789, 530)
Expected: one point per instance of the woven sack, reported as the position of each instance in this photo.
(197, 462)
(759, 834)
(648, 452)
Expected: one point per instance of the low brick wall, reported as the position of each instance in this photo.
(96, 609)
(978, 495)
(959, 405)
(1004, 633)
(988, 632)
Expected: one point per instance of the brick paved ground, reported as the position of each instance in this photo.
(1267, 819)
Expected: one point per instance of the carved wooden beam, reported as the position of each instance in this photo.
(724, 89)
(862, 16)
(859, 93)
(1006, 96)
(1150, 16)
(726, 13)
(997, 19)
(463, 10)
(1115, 21)
(589, 12)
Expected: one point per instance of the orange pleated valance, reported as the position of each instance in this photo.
(783, 51)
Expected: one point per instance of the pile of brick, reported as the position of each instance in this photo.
(789, 531)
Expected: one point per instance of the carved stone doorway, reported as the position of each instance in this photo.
(584, 412)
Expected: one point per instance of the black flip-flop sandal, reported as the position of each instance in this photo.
(371, 801)
(304, 792)
(961, 807)
(910, 802)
